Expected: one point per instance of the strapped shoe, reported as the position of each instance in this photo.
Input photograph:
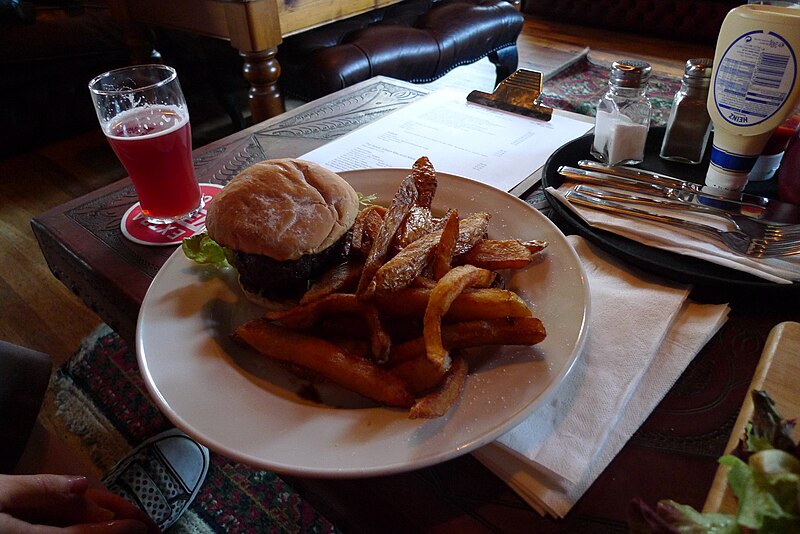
(162, 476)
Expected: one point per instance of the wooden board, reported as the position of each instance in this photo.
(776, 374)
(301, 15)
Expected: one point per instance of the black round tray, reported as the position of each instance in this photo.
(677, 267)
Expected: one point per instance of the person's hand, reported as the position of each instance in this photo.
(44, 504)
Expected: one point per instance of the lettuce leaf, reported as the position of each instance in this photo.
(204, 250)
(365, 201)
(767, 490)
(764, 475)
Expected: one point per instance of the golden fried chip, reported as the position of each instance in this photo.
(403, 201)
(482, 303)
(424, 176)
(380, 341)
(338, 279)
(419, 374)
(437, 403)
(443, 258)
(327, 359)
(402, 269)
(366, 229)
(304, 316)
(501, 254)
(477, 333)
(442, 296)
(418, 223)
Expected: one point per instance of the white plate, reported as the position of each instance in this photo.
(243, 406)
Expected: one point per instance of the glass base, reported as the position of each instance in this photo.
(170, 220)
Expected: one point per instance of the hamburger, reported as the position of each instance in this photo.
(284, 222)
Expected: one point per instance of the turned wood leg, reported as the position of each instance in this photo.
(262, 70)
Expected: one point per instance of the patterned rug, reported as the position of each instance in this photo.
(578, 88)
(98, 401)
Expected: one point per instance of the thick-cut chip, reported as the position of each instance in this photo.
(307, 315)
(502, 254)
(419, 374)
(400, 271)
(353, 345)
(338, 279)
(424, 176)
(327, 359)
(443, 259)
(423, 281)
(366, 229)
(437, 403)
(483, 303)
(418, 223)
(420, 219)
(343, 325)
(442, 296)
(403, 201)
(477, 333)
(380, 341)
(310, 313)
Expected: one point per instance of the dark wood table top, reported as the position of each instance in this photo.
(673, 455)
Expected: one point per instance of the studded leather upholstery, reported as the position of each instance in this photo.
(416, 40)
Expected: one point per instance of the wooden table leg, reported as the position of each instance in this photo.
(262, 70)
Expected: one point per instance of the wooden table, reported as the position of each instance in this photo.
(673, 454)
(254, 27)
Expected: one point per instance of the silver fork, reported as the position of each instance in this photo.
(752, 227)
(736, 241)
(674, 195)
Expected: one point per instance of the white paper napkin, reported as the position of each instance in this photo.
(685, 242)
(642, 335)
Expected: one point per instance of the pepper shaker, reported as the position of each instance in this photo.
(623, 115)
(689, 125)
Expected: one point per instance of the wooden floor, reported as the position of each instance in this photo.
(37, 311)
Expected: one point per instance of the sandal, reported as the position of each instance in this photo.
(162, 476)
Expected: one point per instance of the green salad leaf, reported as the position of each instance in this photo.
(202, 249)
(764, 475)
(366, 200)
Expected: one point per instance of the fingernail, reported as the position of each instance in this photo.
(101, 514)
(77, 485)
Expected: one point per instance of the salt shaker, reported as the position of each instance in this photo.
(623, 115)
(688, 125)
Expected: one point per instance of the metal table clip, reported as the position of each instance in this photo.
(519, 93)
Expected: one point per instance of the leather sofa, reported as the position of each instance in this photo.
(416, 40)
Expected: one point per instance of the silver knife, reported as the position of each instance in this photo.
(670, 181)
(768, 210)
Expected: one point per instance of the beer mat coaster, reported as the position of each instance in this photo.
(135, 227)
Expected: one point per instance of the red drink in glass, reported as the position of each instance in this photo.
(143, 113)
(154, 144)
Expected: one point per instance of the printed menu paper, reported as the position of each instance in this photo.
(495, 147)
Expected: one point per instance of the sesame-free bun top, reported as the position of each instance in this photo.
(282, 208)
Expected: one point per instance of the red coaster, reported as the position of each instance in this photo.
(135, 227)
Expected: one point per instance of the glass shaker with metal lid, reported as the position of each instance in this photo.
(623, 115)
(688, 125)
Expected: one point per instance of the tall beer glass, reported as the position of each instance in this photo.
(144, 116)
